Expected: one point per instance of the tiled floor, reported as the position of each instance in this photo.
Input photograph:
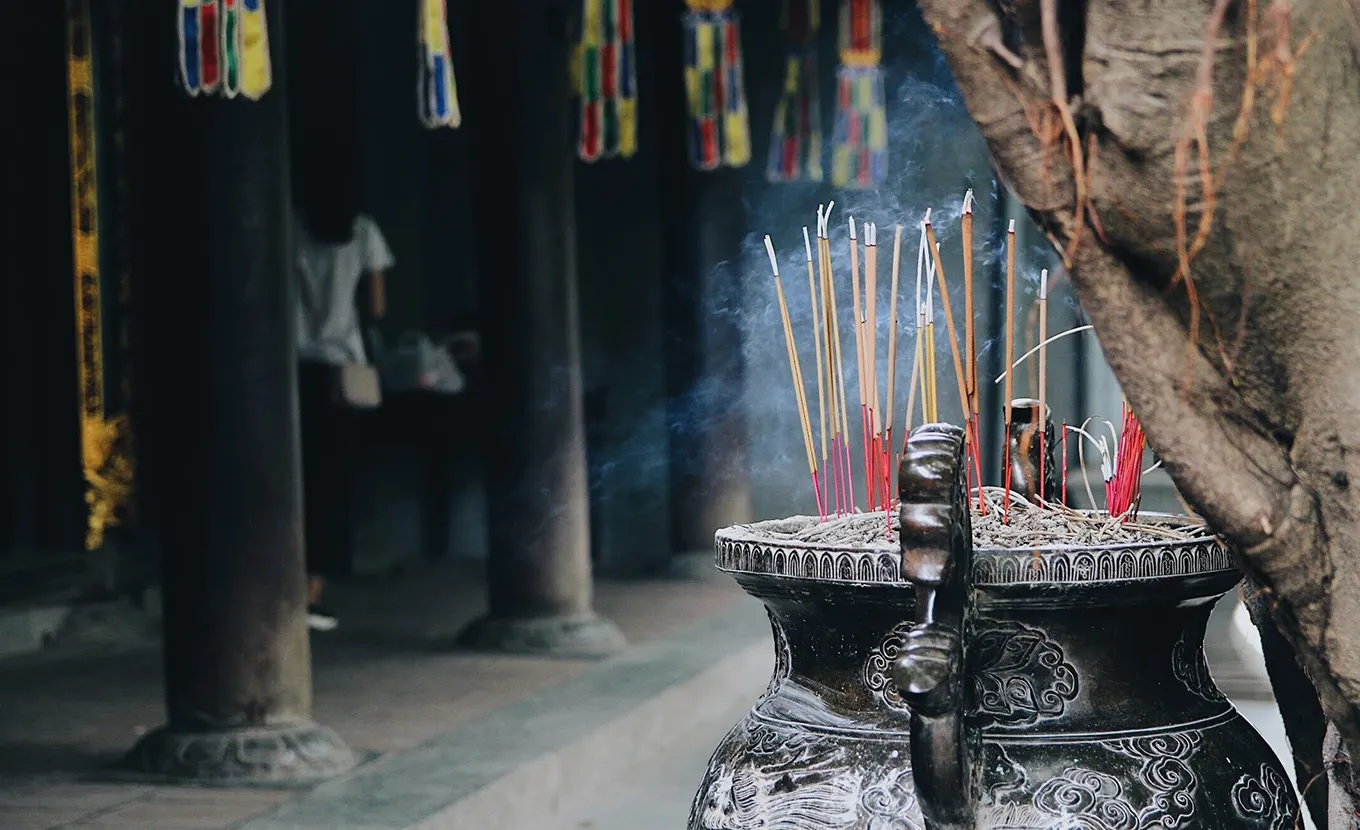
(387, 680)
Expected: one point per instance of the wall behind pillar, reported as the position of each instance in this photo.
(356, 112)
(41, 506)
(395, 155)
(619, 260)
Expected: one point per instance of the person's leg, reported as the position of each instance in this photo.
(315, 390)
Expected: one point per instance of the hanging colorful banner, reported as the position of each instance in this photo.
(105, 438)
(720, 133)
(437, 93)
(606, 79)
(224, 48)
(859, 156)
(796, 139)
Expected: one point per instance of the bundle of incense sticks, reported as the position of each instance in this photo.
(960, 374)
(822, 335)
(831, 469)
(800, 392)
(877, 456)
(1124, 489)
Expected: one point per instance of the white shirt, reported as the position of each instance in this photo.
(327, 280)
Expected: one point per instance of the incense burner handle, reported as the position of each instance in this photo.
(937, 552)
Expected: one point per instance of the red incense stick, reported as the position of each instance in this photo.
(1064, 465)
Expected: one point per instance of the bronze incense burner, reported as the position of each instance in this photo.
(934, 685)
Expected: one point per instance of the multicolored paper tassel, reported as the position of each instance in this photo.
(607, 80)
(720, 132)
(437, 94)
(224, 48)
(859, 157)
(796, 139)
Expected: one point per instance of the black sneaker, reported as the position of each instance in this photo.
(319, 619)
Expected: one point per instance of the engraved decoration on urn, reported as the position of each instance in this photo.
(1085, 702)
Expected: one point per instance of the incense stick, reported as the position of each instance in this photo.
(948, 318)
(971, 419)
(861, 353)
(1010, 386)
(836, 368)
(917, 368)
(929, 355)
(1043, 376)
(911, 390)
(799, 392)
(871, 346)
(840, 377)
(828, 354)
(892, 357)
(816, 338)
(1032, 352)
(969, 333)
(871, 317)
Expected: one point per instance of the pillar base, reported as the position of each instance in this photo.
(304, 753)
(585, 636)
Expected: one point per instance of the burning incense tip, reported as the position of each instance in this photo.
(1043, 284)
(852, 227)
(968, 201)
(926, 221)
(1011, 229)
(807, 244)
(769, 249)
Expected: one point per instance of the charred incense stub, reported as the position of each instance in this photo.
(1029, 454)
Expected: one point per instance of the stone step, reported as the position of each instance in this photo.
(526, 764)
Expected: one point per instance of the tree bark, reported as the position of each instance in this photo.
(1245, 387)
(1304, 724)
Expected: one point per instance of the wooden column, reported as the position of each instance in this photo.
(517, 110)
(705, 227)
(223, 424)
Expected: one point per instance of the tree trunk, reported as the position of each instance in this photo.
(1239, 369)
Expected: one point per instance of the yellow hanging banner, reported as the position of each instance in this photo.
(105, 442)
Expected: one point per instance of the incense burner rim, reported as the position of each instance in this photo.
(737, 550)
(1176, 521)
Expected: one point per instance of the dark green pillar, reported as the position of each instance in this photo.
(705, 226)
(517, 110)
(223, 427)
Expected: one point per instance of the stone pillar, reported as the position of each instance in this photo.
(705, 227)
(219, 362)
(516, 107)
